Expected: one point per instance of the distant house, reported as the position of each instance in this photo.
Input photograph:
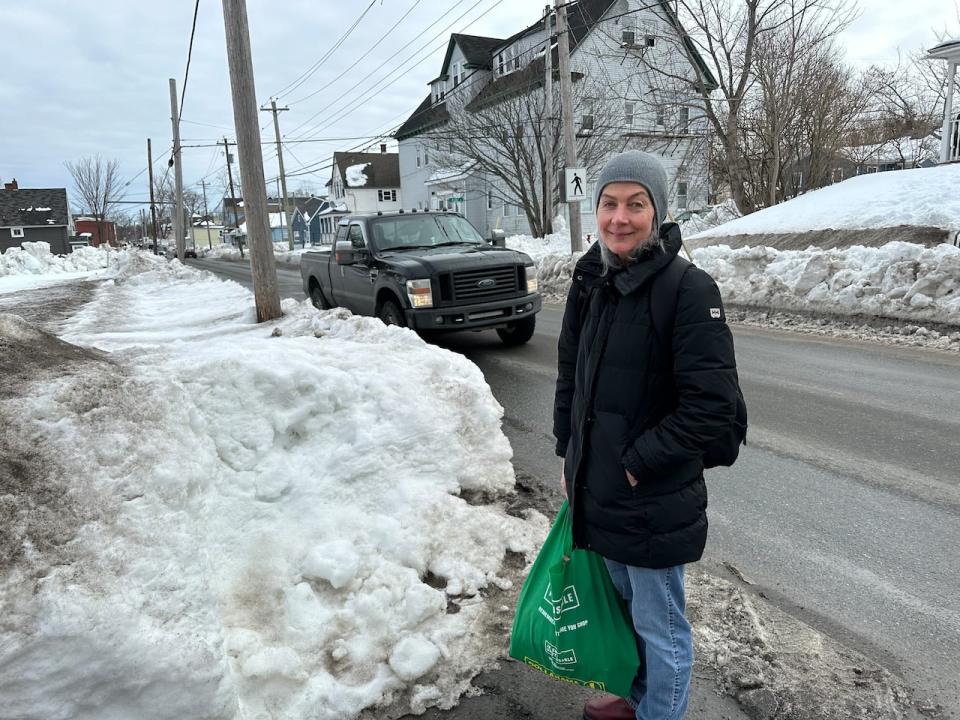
(35, 215)
(323, 223)
(88, 231)
(903, 153)
(278, 228)
(366, 182)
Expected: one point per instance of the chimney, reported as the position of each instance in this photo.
(383, 147)
(12, 185)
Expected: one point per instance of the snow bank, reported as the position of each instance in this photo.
(35, 258)
(292, 519)
(924, 197)
(899, 280)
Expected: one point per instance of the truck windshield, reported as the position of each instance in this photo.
(413, 231)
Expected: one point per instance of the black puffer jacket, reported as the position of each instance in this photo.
(621, 403)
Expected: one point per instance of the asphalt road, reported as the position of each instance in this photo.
(844, 507)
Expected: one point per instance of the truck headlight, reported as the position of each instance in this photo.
(531, 278)
(420, 293)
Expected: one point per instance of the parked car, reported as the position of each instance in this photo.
(190, 252)
(430, 271)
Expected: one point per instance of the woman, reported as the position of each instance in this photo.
(631, 417)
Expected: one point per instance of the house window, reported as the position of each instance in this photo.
(507, 208)
(16, 232)
(387, 195)
(586, 206)
(490, 199)
(684, 120)
(418, 157)
(661, 115)
(500, 63)
(628, 113)
(426, 158)
(516, 59)
(681, 195)
(456, 74)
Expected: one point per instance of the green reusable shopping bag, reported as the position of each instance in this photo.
(571, 622)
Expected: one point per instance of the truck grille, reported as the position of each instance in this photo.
(483, 285)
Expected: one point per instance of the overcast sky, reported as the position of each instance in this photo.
(80, 78)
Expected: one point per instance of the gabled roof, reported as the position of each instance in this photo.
(581, 17)
(425, 117)
(382, 171)
(34, 206)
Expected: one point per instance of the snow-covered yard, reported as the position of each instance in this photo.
(212, 518)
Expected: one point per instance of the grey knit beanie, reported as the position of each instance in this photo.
(638, 167)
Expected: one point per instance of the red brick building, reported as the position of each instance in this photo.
(87, 229)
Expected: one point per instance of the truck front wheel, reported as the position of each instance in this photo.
(518, 332)
(391, 314)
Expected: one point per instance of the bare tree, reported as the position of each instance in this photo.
(722, 41)
(98, 184)
(506, 139)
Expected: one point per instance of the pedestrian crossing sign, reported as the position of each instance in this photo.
(575, 184)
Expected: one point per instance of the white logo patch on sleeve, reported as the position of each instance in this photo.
(715, 313)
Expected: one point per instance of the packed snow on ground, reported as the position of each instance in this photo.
(924, 197)
(356, 175)
(221, 519)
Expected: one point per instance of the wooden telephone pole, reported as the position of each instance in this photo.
(283, 178)
(233, 197)
(178, 168)
(153, 205)
(566, 110)
(264, 271)
(548, 121)
(206, 214)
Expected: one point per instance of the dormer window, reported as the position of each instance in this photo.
(457, 70)
(508, 60)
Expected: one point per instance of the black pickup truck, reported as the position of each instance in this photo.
(429, 271)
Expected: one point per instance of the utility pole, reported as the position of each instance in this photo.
(264, 270)
(233, 197)
(177, 166)
(153, 205)
(548, 120)
(143, 227)
(206, 215)
(566, 110)
(283, 178)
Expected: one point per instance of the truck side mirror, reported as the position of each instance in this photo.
(345, 253)
(498, 238)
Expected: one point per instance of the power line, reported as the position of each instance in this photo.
(414, 54)
(373, 47)
(316, 66)
(186, 74)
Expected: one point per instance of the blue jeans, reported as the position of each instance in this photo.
(656, 602)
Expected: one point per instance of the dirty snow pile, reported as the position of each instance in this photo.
(222, 519)
(899, 280)
(556, 243)
(924, 197)
(35, 258)
(715, 215)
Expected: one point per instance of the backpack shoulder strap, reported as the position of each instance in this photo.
(664, 288)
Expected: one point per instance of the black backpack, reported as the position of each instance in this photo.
(663, 309)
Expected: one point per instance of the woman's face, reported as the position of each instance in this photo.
(624, 217)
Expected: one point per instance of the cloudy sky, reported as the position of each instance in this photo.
(81, 78)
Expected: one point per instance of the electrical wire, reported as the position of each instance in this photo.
(303, 77)
(186, 73)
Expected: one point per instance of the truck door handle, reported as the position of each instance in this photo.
(374, 273)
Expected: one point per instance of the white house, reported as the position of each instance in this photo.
(632, 89)
(366, 182)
